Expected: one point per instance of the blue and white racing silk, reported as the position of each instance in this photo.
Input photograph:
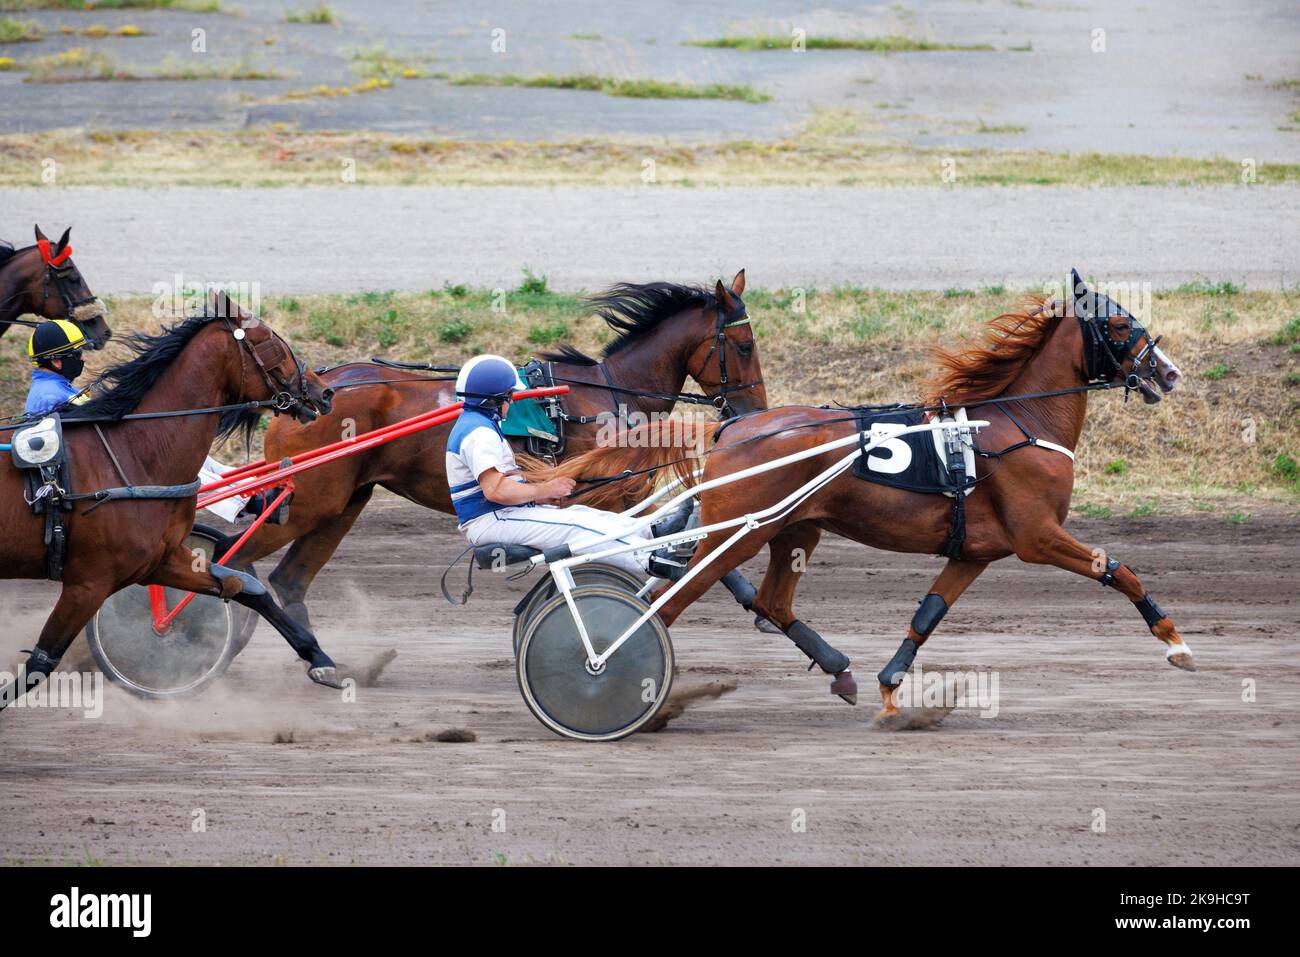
(474, 446)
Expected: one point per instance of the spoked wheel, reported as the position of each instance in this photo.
(594, 573)
(195, 651)
(245, 618)
(561, 689)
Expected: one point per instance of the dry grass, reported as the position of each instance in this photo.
(285, 157)
(1219, 444)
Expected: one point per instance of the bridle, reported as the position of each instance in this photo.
(726, 320)
(267, 357)
(1103, 356)
(59, 272)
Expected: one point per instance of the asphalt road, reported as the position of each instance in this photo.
(1164, 77)
(319, 240)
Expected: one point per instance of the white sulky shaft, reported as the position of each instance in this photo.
(744, 524)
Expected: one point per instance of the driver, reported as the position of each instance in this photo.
(55, 351)
(494, 502)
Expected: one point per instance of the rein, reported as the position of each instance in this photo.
(596, 482)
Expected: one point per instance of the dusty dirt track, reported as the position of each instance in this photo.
(1090, 718)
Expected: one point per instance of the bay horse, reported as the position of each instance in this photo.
(1030, 379)
(229, 367)
(43, 280)
(666, 332)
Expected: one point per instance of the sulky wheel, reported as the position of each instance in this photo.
(594, 573)
(245, 618)
(195, 651)
(558, 685)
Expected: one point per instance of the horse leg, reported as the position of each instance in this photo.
(777, 591)
(808, 641)
(77, 604)
(1056, 546)
(947, 588)
(309, 554)
(176, 572)
(789, 552)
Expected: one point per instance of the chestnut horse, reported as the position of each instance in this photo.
(130, 436)
(43, 280)
(667, 332)
(1025, 472)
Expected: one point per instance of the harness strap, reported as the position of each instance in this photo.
(112, 457)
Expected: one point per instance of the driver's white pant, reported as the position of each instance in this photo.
(545, 526)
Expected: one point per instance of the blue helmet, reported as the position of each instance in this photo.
(486, 381)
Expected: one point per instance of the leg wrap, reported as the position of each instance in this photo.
(40, 663)
(830, 660)
(223, 574)
(898, 665)
(928, 616)
(1149, 610)
(1112, 566)
(741, 588)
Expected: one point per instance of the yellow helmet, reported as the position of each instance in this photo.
(53, 338)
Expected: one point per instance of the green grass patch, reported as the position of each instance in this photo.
(1288, 335)
(1287, 469)
(548, 333)
(378, 63)
(885, 44)
(611, 86)
(321, 14)
(19, 31)
(1116, 467)
(1142, 510)
(457, 330)
(1089, 510)
(1217, 371)
(1004, 128)
(1239, 518)
(1204, 287)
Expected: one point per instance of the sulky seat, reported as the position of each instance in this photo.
(497, 554)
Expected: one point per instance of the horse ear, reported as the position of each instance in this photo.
(222, 307)
(1078, 296)
(39, 235)
(722, 295)
(62, 244)
(738, 284)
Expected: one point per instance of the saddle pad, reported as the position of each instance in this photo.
(916, 462)
(39, 444)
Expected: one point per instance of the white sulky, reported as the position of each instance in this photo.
(743, 524)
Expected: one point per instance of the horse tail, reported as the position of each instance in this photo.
(617, 474)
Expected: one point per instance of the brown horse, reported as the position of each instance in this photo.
(43, 280)
(1025, 473)
(203, 363)
(667, 332)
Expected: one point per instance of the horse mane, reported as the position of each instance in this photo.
(987, 369)
(126, 384)
(635, 309)
(570, 356)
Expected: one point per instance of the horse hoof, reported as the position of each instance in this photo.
(327, 675)
(765, 626)
(1182, 660)
(890, 720)
(846, 686)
